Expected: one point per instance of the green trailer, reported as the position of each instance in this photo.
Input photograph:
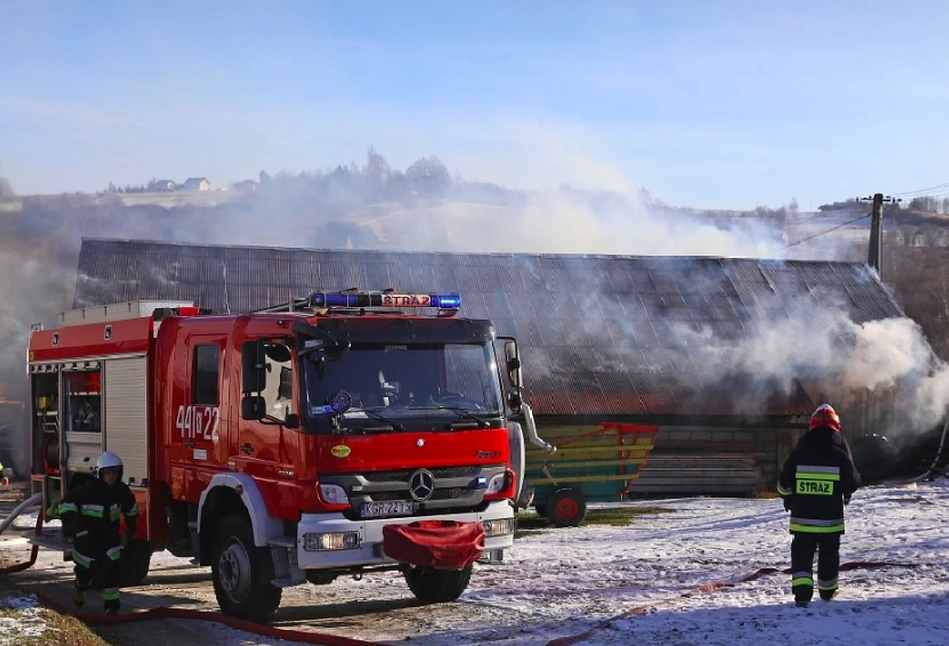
(591, 463)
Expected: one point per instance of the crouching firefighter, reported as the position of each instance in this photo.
(90, 515)
(816, 482)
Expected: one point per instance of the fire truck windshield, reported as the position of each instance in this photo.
(402, 382)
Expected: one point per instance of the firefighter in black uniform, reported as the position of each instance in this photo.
(817, 480)
(90, 515)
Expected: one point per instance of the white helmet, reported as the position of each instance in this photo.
(109, 460)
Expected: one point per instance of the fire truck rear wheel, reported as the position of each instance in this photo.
(242, 572)
(437, 586)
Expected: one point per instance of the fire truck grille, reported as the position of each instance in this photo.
(403, 475)
(440, 494)
(455, 488)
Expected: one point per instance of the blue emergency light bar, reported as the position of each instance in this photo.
(384, 299)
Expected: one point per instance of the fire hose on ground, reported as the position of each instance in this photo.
(93, 619)
(703, 589)
(288, 634)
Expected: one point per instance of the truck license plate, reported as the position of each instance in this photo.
(387, 508)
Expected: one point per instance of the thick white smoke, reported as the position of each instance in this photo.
(487, 218)
(823, 345)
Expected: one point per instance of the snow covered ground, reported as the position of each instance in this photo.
(21, 617)
(565, 582)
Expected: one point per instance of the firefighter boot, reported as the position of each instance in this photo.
(78, 597)
(111, 598)
(803, 592)
(827, 595)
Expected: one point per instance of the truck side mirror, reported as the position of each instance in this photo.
(253, 407)
(253, 367)
(513, 364)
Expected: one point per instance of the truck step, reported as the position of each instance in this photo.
(287, 542)
(50, 539)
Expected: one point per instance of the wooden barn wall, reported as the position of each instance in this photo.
(863, 412)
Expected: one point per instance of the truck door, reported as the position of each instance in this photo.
(261, 445)
(198, 425)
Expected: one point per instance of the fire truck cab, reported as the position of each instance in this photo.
(331, 435)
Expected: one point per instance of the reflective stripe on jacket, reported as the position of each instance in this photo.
(815, 478)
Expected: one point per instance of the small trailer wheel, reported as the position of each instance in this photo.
(567, 507)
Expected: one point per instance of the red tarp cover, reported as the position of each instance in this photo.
(442, 544)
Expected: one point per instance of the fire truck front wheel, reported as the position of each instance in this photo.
(242, 572)
(437, 586)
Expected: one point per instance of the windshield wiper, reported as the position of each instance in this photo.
(463, 412)
(335, 348)
(395, 426)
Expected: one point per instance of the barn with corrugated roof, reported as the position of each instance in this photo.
(603, 337)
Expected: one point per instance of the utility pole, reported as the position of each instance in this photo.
(875, 252)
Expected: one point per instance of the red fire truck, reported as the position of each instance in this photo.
(332, 435)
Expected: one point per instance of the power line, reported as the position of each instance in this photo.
(839, 226)
(922, 191)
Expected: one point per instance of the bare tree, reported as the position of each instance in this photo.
(429, 175)
(377, 170)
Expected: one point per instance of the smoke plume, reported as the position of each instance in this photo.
(824, 346)
(379, 208)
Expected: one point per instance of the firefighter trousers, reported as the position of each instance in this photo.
(102, 567)
(803, 547)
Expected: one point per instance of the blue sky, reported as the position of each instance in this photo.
(724, 104)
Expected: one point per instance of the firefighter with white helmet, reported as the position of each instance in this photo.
(90, 515)
(816, 482)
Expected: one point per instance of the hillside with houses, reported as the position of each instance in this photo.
(425, 206)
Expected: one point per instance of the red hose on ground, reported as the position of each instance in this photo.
(708, 587)
(288, 634)
(93, 619)
(334, 640)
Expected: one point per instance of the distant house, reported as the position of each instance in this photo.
(161, 186)
(246, 185)
(196, 184)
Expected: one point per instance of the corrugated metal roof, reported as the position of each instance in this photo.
(596, 330)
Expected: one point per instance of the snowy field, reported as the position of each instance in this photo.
(21, 618)
(591, 583)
